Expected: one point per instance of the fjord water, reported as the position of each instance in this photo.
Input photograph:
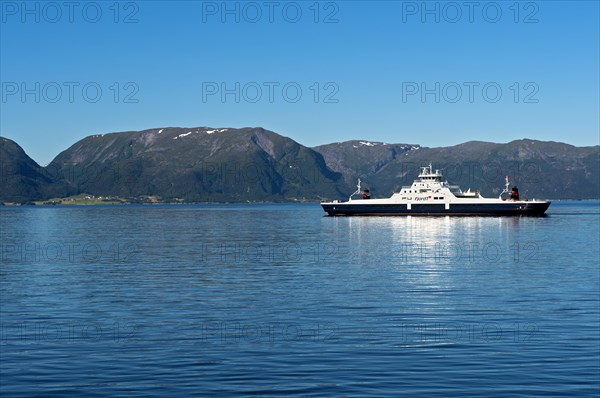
(276, 299)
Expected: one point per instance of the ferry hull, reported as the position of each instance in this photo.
(458, 209)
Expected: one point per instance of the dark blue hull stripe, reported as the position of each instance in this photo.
(343, 209)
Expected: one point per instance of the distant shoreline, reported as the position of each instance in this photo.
(134, 203)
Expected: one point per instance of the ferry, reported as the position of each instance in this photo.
(429, 195)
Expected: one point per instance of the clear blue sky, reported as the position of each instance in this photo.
(392, 71)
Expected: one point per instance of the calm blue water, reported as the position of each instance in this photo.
(277, 300)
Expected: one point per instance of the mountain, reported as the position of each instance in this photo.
(22, 179)
(205, 164)
(198, 164)
(362, 158)
(539, 168)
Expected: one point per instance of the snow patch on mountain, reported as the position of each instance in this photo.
(183, 135)
(215, 131)
(367, 143)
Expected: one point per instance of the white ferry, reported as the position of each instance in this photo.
(430, 196)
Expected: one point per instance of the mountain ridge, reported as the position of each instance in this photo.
(250, 164)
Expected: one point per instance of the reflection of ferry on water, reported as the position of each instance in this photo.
(430, 196)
